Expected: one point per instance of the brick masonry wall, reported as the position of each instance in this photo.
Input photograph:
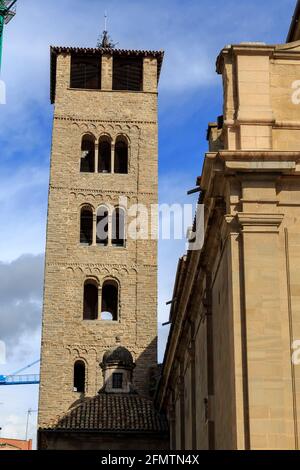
(66, 337)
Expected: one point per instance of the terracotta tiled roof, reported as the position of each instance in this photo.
(55, 50)
(15, 444)
(113, 412)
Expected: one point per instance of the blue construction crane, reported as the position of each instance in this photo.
(7, 12)
(16, 379)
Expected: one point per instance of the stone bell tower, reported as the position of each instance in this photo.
(100, 283)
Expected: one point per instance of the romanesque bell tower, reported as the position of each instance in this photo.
(100, 289)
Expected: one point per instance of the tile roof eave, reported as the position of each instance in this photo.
(105, 431)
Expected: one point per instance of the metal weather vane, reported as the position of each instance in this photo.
(104, 41)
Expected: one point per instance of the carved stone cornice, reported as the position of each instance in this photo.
(98, 192)
(256, 222)
(105, 121)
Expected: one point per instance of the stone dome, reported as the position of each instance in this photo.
(118, 355)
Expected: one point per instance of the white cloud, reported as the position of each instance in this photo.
(21, 284)
(23, 198)
(14, 427)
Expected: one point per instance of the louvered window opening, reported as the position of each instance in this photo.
(127, 74)
(86, 72)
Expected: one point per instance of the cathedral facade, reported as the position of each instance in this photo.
(231, 374)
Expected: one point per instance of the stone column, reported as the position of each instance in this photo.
(112, 160)
(95, 228)
(96, 157)
(266, 336)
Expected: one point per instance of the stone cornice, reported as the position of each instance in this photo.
(259, 223)
(252, 154)
(101, 191)
(285, 51)
(245, 161)
(274, 123)
(96, 265)
(250, 48)
(104, 121)
(245, 219)
(247, 165)
(254, 222)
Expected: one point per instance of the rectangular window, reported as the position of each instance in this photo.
(128, 73)
(86, 72)
(117, 380)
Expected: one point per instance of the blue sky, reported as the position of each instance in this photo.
(192, 33)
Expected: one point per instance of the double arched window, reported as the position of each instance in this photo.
(104, 156)
(109, 300)
(107, 228)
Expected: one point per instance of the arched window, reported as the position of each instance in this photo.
(110, 299)
(79, 377)
(118, 227)
(87, 163)
(102, 226)
(90, 300)
(121, 155)
(104, 161)
(86, 226)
